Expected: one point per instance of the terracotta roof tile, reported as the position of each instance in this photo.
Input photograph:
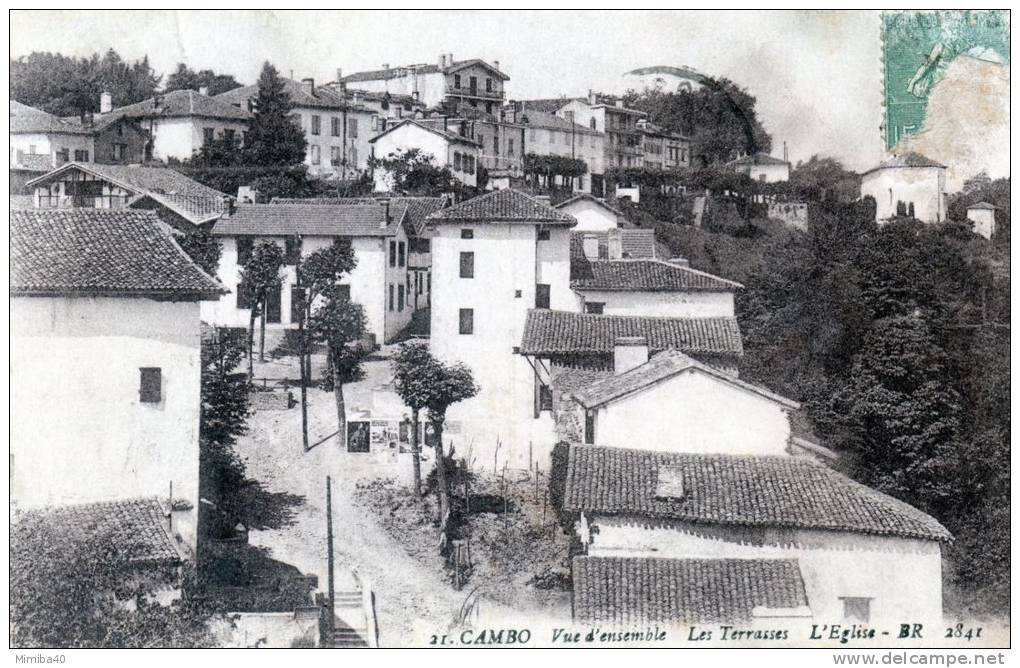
(336, 220)
(757, 159)
(635, 591)
(29, 120)
(89, 251)
(643, 275)
(418, 208)
(502, 206)
(182, 104)
(634, 244)
(765, 491)
(909, 159)
(548, 332)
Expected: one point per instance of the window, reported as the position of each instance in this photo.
(334, 126)
(243, 296)
(150, 390)
(316, 124)
(292, 250)
(391, 296)
(488, 107)
(456, 81)
(208, 134)
(543, 235)
(592, 124)
(401, 254)
(63, 155)
(393, 253)
(542, 295)
(467, 265)
(510, 147)
(273, 304)
(456, 161)
(334, 156)
(400, 297)
(353, 159)
(467, 233)
(545, 397)
(228, 135)
(244, 246)
(467, 321)
(589, 427)
(594, 307)
(856, 608)
(488, 84)
(473, 84)
(297, 296)
(495, 144)
(31, 149)
(81, 156)
(119, 151)
(316, 158)
(352, 127)
(470, 159)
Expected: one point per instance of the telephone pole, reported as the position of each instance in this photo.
(329, 560)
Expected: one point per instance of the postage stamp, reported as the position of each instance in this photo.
(919, 46)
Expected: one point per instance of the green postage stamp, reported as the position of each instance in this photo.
(917, 49)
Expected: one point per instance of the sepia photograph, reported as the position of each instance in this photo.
(510, 329)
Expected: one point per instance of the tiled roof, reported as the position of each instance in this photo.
(983, 205)
(190, 199)
(660, 367)
(428, 127)
(543, 119)
(424, 68)
(548, 332)
(757, 159)
(909, 159)
(376, 96)
(418, 208)
(29, 120)
(338, 220)
(137, 526)
(549, 105)
(325, 97)
(181, 104)
(643, 275)
(634, 591)
(634, 243)
(764, 492)
(502, 206)
(101, 251)
(591, 198)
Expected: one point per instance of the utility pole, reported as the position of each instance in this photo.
(302, 353)
(329, 559)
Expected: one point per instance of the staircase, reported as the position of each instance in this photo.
(350, 620)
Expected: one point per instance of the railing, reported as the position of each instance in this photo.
(476, 92)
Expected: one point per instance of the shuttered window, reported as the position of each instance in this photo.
(151, 386)
(542, 295)
(467, 321)
(467, 265)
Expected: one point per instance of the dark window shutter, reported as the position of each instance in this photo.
(467, 265)
(244, 248)
(589, 427)
(151, 386)
(467, 321)
(243, 295)
(542, 295)
(297, 298)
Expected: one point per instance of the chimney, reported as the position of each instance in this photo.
(309, 84)
(619, 103)
(590, 245)
(415, 96)
(629, 352)
(615, 244)
(228, 206)
(386, 66)
(105, 103)
(339, 75)
(442, 60)
(449, 60)
(385, 203)
(203, 90)
(495, 64)
(592, 98)
(356, 98)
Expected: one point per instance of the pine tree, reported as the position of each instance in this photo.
(274, 139)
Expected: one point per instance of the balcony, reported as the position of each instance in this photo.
(476, 93)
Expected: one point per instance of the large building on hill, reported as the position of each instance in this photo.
(447, 149)
(105, 346)
(907, 185)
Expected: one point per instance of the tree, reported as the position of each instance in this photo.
(185, 78)
(414, 172)
(260, 276)
(414, 367)
(273, 139)
(449, 384)
(203, 248)
(339, 323)
(822, 178)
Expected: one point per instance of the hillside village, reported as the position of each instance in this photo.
(553, 355)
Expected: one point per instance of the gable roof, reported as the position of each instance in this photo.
(983, 205)
(638, 590)
(418, 208)
(548, 105)
(190, 199)
(182, 104)
(332, 220)
(423, 68)
(137, 526)
(751, 491)
(429, 127)
(122, 252)
(548, 333)
(590, 198)
(502, 206)
(909, 159)
(634, 244)
(544, 119)
(643, 275)
(661, 367)
(757, 159)
(29, 120)
(325, 97)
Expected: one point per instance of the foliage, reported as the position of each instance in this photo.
(720, 118)
(554, 165)
(981, 188)
(203, 248)
(71, 86)
(261, 273)
(273, 139)
(414, 172)
(823, 178)
(413, 370)
(185, 78)
(72, 590)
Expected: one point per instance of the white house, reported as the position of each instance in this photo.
(494, 257)
(105, 362)
(381, 282)
(182, 121)
(982, 215)
(179, 201)
(448, 149)
(908, 185)
(674, 403)
(775, 536)
(762, 167)
(593, 214)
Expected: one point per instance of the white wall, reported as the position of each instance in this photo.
(694, 412)
(49, 145)
(359, 150)
(768, 173)
(984, 221)
(924, 186)
(412, 136)
(902, 576)
(78, 430)
(592, 217)
(662, 304)
(181, 137)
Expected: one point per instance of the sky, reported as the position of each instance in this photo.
(816, 75)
